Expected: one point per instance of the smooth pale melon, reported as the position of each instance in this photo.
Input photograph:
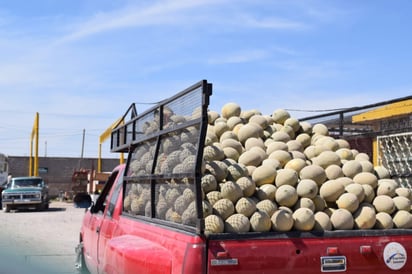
(348, 201)
(248, 131)
(404, 192)
(294, 145)
(331, 190)
(280, 136)
(272, 163)
(307, 188)
(402, 219)
(237, 223)
(289, 130)
(322, 222)
(310, 152)
(282, 220)
(365, 216)
(305, 203)
(362, 156)
(320, 129)
(259, 120)
(231, 153)
(304, 219)
(231, 190)
(247, 185)
(333, 172)
(313, 172)
(245, 115)
(266, 191)
(233, 143)
(212, 116)
(327, 158)
(214, 224)
(306, 127)
(304, 139)
(250, 158)
(382, 172)
(356, 189)
(351, 168)
(229, 134)
(384, 203)
(286, 177)
(280, 116)
(282, 156)
(260, 151)
(223, 208)
(293, 123)
(387, 187)
(233, 121)
(264, 174)
(276, 145)
(342, 219)
(286, 195)
(366, 178)
(343, 144)
(344, 153)
(369, 193)
(367, 166)
(267, 206)
(260, 222)
(245, 206)
(220, 128)
(230, 109)
(296, 164)
(402, 203)
(320, 203)
(254, 142)
(383, 221)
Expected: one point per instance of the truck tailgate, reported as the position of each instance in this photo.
(356, 251)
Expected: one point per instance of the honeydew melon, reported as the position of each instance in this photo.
(384, 203)
(266, 191)
(348, 201)
(334, 172)
(280, 116)
(286, 176)
(296, 164)
(282, 156)
(356, 189)
(304, 219)
(260, 222)
(402, 219)
(351, 168)
(366, 178)
(383, 221)
(322, 222)
(286, 195)
(282, 220)
(313, 172)
(331, 190)
(387, 187)
(342, 219)
(365, 216)
(231, 109)
(402, 203)
(307, 188)
(267, 206)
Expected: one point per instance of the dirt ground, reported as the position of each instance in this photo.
(40, 242)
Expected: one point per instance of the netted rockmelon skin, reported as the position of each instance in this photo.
(218, 169)
(342, 219)
(247, 185)
(208, 183)
(214, 224)
(213, 196)
(231, 190)
(267, 206)
(260, 222)
(223, 208)
(304, 219)
(245, 206)
(282, 220)
(237, 223)
(236, 171)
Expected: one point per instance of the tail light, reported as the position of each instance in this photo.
(194, 261)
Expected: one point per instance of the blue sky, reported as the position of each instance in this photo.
(81, 63)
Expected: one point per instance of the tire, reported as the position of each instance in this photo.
(80, 263)
(7, 208)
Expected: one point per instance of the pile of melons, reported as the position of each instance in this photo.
(275, 173)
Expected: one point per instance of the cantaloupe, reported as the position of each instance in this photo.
(266, 191)
(220, 128)
(344, 153)
(331, 190)
(264, 174)
(245, 206)
(383, 221)
(304, 139)
(237, 223)
(247, 185)
(212, 116)
(208, 183)
(235, 171)
(213, 196)
(342, 219)
(367, 166)
(214, 224)
(218, 169)
(304, 219)
(307, 188)
(231, 190)
(404, 192)
(348, 201)
(223, 208)
(282, 220)
(320, 129)
(231, 109)
(384, 203)
(286, 195)
(365, 216)
(313, 172)
(276, 145)
(231, 153)
(294, 145)
(260, 222)
(267, 206)
(402, 219)
(286, 176)
(322, 222)
(362, 156)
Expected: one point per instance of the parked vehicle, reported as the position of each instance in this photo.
(25, 193)
(153, 214)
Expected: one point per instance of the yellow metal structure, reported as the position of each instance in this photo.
(34, 162)
(388, 111)
(103, 137)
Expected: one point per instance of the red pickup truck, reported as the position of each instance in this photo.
(131, 227)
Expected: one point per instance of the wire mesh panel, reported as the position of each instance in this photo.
(165, 146)
(395, 153)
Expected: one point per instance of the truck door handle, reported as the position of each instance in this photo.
(98, 229)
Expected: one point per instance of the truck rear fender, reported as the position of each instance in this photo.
(131, 254)
(195, 259)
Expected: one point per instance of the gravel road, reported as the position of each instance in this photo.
(40, 242)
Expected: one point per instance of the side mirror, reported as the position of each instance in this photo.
(82, 200)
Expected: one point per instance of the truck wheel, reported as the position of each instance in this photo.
(80, 263)
(7, 208)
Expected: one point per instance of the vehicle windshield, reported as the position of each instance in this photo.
(35, 182)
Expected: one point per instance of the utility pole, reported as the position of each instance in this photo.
(81, 155)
